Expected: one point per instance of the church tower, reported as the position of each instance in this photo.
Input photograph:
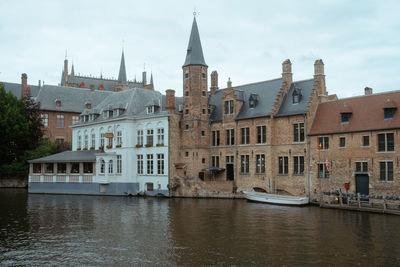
(194, 123)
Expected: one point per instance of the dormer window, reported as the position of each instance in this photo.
(88, 105)
(296, 95)
(389, 113)
(150, 109)
(345, 117)
(253, 100)
(110, 113)
(229, 107)
(58, 103)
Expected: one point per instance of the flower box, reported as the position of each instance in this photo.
(149, 145)
(138, 145)
(78, 148)
(85, 148)
(160, 144)
(92, 148)
(109, 146)
(101, 147)
(118, 146)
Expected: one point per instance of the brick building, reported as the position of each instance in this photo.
(359, 139)
(242, 137)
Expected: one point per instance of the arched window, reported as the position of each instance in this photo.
(119, 138)
(93, 140)
(102, 166)
(79, 140)
(101, 138)
(110, 166)
(86, 141)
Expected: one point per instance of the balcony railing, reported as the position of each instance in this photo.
(48, 178)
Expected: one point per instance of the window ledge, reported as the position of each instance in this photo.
(385, 182)
(283, 174)
(382, 152)
(298, 174)
(244, 173)
(260, 173)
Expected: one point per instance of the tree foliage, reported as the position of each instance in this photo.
(21, 134)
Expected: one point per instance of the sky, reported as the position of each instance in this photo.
(246, 41)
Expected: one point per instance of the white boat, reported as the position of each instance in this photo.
(275, 199)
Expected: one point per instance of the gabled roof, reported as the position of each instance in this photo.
(15, 88)
(289, 108)
(72, 99)
(367, 114)
(194, 54)
(69, 156)
(266, 92)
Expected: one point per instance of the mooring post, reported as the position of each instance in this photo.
(359, 200)
(340, 198)
(384, 203)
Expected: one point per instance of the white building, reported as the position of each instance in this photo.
(120, 147)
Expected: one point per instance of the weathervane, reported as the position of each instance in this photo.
(194, 11)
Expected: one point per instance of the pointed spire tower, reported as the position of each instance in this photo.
(72, 70)
(122, 70)
(195, 95)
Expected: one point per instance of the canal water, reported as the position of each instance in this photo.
(98, 230)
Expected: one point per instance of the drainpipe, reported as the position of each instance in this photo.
(308, 158)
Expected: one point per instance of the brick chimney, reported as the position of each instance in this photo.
(287, 75)
(214, 82)
(170, 100)
(24, 85)
(368, 91)
(319, 77)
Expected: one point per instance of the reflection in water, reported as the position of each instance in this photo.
(89, 230)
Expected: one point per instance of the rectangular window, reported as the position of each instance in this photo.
(215, 138)
(389, 113)
(323, 171)
(79, 141)
(342, 141)
(87, 167)
(215, 161)
(59, 140)
(93, 141)
(245, 136)
(298, 165)
(230, 137)
(75, 167)
(362, 166)
(244, 163)
(49, 168)
(283, 165)
(75, 119)
(150, 164)
(366, 140)
(140, 164)
(45, 119)
(102, 140)
(260, 163)
(60, 121)
(160, 136)
(230, 159)
(119, 138)
(149, 137)
(229, 107)
(37, 168)
(110, 142)
(298, 129)
(261, 134)
(323, 142)
(160, 163)
(119, 164)
(149, 187)
(386, 170)
(385, 142)
(140, 137)
(61, 167)
(346, 118)
(111, 166)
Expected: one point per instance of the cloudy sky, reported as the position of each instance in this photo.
(359, 41)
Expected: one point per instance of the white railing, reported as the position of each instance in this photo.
(47, 178)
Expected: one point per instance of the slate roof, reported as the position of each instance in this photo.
(15, 88)
(69, 156)
(266, 92)
(289, 108)
(134, 102)
(367, 114)
(72, 99)
(194, 54)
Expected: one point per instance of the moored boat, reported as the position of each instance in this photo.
(275, 199)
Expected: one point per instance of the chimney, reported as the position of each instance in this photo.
(144, 79)
(319, 78)
(287, 76)
(24, 85)
(170, 100)
(214, 82)
(368, 91)
(229, 83)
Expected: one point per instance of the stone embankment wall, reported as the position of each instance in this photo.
(13, 182)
